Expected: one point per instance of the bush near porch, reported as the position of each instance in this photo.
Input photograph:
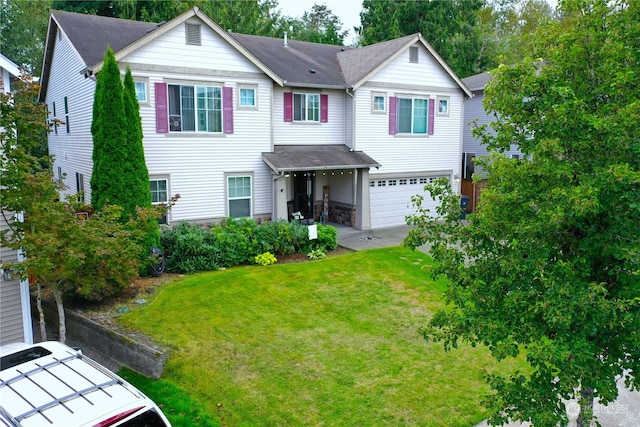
(191, 248)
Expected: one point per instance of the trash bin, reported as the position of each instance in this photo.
(464, 202)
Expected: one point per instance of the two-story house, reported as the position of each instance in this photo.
(248, 126)
(15, 306)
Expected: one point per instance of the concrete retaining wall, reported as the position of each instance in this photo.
(117, 348)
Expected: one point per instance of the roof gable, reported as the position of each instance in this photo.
(292, 63)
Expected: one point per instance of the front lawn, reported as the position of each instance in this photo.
(333, 342)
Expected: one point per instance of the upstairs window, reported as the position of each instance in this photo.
(306, 107)
(141, 91)
(247, 97)
(195, 108)
(413, 115)
(379, 103)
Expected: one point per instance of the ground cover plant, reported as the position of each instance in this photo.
(333, 342)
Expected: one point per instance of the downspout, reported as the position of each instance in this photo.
(353, 119)
(354, 181)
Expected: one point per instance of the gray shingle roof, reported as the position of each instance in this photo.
(298, 63)
(477, 82)
(357, 63)
(316, 157)
(304, 63)
(91, 34)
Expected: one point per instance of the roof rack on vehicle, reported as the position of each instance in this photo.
(15, 419)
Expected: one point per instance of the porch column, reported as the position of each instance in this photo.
(362, 203)
(280, 198)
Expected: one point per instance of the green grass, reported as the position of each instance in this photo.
(176, 404)
(332, 342)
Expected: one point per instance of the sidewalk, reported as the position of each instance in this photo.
(624, 412)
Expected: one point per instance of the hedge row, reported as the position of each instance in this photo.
(189, 248)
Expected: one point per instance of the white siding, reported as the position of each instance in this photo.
(426, 72)
(171, 50)
(195, 163)
(291, 133)
(72, 151)
(402, 155)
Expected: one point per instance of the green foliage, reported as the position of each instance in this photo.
(451, 27)
(549, 264)
(108, 128)
(191, 248)
(316, 254)
(120, 175)
(23, 28)
(92, 258)
(264, 259)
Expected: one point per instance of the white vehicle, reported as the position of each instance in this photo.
(51, 384)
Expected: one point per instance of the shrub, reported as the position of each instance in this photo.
(266, 258)
(190, 248)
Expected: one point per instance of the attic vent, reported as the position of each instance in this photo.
(193, 34)
(413, 54)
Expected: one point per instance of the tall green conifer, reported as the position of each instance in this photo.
(109, 127)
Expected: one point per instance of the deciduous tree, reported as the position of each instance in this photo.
(94, 257)
(549, 266)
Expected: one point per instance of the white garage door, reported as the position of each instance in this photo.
(391, 199)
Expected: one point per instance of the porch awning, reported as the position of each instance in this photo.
(288, 158)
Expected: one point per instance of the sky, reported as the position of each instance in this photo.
(347, 10)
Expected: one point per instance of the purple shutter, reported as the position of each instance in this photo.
(227, 110)
(162, 116)
(432, 104)
(393, 124)
(288, 106)
(324, 108)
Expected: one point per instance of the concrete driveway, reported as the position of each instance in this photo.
(624, 412)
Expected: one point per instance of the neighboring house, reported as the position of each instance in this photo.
(475, 115)
(15, 306)
(248, 126)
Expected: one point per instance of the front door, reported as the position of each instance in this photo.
(303, 193)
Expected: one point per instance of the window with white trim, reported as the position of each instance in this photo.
(443, 105)
(247, 97)
(195, 108)
(412, 115)
(306, 107)
(141, 91)
(159, 188)
(239, 196)
(379, 103)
